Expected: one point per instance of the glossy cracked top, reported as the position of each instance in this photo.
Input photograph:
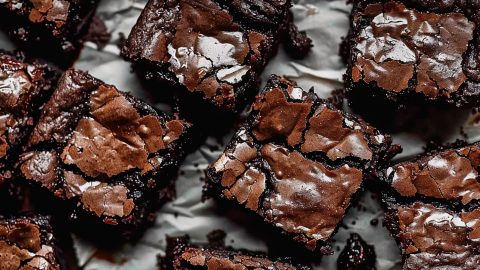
(105, 149)
(204, 47)
(450, 174)
(398, 47)
(27, 243)
(52, 13)
(22, 89)
(437, 238)
(269, 166)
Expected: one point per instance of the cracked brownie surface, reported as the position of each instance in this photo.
(28, 242)
(109, 156)
(183, 255)
(432, 208)
(48, 28)
(298, 162)
(212, 48)
(415, 48)
(24, 87)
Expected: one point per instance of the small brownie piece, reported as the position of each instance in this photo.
(357, 255)
(181, 255)
(432, 208)
(110, 156)
(449, 174)
(298, 162)
(212, 48)
(24, 88)
(29, 242)
(48, 28)
(415, 50)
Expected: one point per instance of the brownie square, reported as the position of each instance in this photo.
(48, 28)
(298, 162)
(29, 242)
(432, 208)
(207, 49)
(24, 87)
(181, 254)
(107, 156)
(418, 50)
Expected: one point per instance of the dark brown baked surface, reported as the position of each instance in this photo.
(415, 49)
(298, 162)
(48, 28)
(109, 157)
(211, 49)
(25, 85)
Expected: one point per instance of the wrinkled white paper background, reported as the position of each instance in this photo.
(326, 23)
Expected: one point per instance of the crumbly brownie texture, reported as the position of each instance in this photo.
(182, 255)
(109, 155)
(357, 255)
(448, 174)
(298, 162)
(48, 27)
(24, 87)
(28, 243)
(215, 48)
(415, 48)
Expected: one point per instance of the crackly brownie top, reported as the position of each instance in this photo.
(399, 47)
(100, 146)
(357, 255)
(52, 13)
(21, 87)
(27, 243)
(183, 255)
(435, 237)
(297, 161)
(451, 175)
(203, 45)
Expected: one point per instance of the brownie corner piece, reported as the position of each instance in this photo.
(30, 242)
(211, 50)
(52, 29)
(432, 210)
(107, 156)
(357, 255)
(181, 254)
(25, 85)
(292, 140)
(415, 50)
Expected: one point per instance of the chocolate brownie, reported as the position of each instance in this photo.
(107, 155)
(214, 49)
(29, 242)
(357, 255)
(24, 87)
(419, 50)
(183, 255)
(48, 28)
(449, 174)
(432, 208)
(298, 162)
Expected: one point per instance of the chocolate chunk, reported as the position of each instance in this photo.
(357, 255)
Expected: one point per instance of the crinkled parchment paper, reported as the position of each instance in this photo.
(326, 23)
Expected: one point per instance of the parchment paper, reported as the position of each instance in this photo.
(326, 23)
